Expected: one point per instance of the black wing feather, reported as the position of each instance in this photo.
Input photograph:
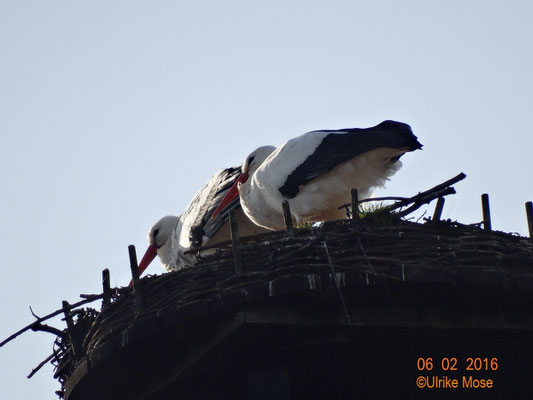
(342, 145)
(204, 225)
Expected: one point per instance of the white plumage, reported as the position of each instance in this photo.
(317, 170)
(319, 199)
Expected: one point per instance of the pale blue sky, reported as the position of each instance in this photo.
(114, 113)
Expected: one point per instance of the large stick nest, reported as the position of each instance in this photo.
(370, 252)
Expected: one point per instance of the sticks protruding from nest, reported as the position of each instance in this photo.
(47, 317)
(438, 210)
(485, 205)
(529, 213)
(76, 345)
(355, 207)
(287, 217)
(106, 288)
(38, 327)
(137, 288)
(234, 231)
(428, 196)
(41, 364)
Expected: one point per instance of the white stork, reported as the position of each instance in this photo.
(172, 235)
(316, 172)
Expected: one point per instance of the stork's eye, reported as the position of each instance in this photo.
(156, 232)
(248, 163)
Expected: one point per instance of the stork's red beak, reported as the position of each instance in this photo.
(232, 193)
(148, 257)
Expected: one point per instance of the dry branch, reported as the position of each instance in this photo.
(47, 317)
(418, 200)
(41, 364)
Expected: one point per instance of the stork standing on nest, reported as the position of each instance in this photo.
(315, 172)
(172, 235)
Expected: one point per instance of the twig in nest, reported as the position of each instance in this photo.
(431, 192)
(422, 216)
(32, 313)
(38, 327)
(42, 364)
(420, 199)
(51, 315)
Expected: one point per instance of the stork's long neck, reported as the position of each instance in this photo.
(257, 207)
(250, 192)
(169, 252)
(244, 194)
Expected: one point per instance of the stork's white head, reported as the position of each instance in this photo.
(252, 162)
(161, 231)
(158, 238)
(256, 158)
